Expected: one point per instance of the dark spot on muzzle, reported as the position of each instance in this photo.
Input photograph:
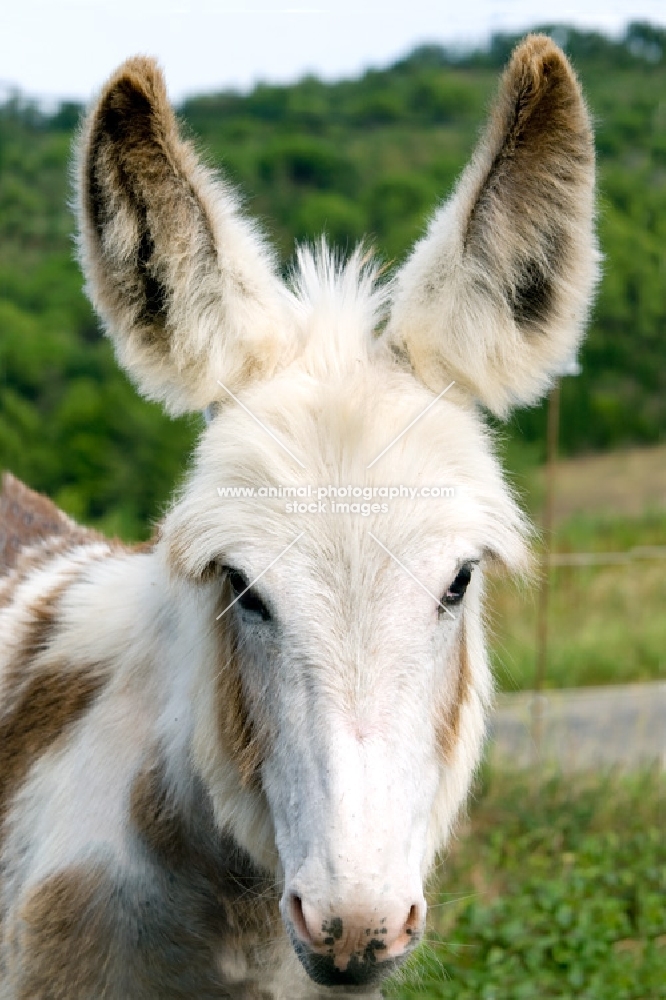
(333, 927)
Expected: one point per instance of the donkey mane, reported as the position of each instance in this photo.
(354, 289)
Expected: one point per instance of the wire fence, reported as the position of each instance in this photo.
(607, 558)
(551, 560)
(600, 727)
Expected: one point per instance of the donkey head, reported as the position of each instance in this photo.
(339, 679)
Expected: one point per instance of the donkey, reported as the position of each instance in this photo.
(229, 757)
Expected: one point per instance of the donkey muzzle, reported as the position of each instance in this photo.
(353, 945)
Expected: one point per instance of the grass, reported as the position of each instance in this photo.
(553, 889)
(606, 622)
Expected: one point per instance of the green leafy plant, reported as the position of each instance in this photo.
(557, 889)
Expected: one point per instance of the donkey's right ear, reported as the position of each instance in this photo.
(185, 286)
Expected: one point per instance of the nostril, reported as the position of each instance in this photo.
(409, 932)
(414, 920)
(298, 918)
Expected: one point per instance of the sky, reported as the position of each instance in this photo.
(55, 49)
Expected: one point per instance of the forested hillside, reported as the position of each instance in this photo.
(373, 155)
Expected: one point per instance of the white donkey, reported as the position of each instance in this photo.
(246, 741)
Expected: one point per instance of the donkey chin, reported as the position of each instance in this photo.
(362, 968)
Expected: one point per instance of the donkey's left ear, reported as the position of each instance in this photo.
(496, 294)
(185, 286)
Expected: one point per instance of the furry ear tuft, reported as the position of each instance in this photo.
(496, 294)
(185, 286)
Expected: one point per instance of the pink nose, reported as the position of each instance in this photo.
(355, 946)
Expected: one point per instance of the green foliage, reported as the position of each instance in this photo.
(557, 890)
(373, 155)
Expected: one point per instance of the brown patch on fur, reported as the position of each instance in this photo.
(541, 156)
(29, 561)
(97, 930)
(184, 840)
(237, 732)
(92, 932)
(39, 709)
(33, 531)
(39, 703)
(42, 624)
(140, 547)
(28, 518)
(448, 726)
(62, 937)
(156, 816)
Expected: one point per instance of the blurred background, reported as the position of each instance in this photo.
(357, 119)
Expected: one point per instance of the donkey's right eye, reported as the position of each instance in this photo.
(247, 597)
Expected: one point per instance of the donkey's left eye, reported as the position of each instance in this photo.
(247, 597)
(456, 591)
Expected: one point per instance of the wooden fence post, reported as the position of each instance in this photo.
(547, 525)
